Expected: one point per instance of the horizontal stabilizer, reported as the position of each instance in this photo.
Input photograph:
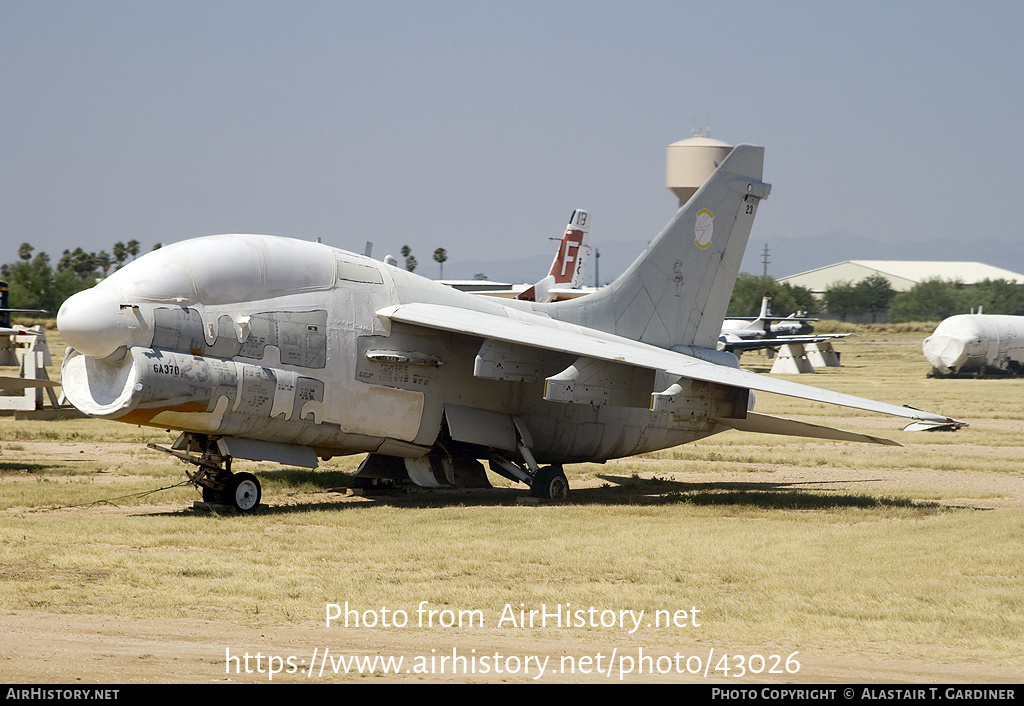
(767, 424)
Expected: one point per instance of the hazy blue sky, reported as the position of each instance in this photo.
(470, 125)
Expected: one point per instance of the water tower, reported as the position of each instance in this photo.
(690, 163)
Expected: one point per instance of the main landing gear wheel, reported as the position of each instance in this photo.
(242, 491)
(550, 483)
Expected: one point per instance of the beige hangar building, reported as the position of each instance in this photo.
(902, 274)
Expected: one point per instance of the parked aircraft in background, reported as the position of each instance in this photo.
(563, 281)
(5, 316)
(6, 329)
(761, 326)
(17, 331)
(567, 268)
(9, 384)
(268, 348)
(977, 344)
(743, 334)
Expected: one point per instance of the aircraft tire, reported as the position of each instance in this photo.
(550, 483)
(242, 491)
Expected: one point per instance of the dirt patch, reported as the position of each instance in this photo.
(81, 647)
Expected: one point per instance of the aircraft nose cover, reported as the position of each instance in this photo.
(90, 322)
(945, 353)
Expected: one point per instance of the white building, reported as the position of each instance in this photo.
(902, 274)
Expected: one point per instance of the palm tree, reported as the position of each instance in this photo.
(120, 253)
(104, 260)
(440, 255)
(410, 261)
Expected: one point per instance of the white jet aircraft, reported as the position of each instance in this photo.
(5, 321)
(977, 344)
(267, 348)
(742, 334)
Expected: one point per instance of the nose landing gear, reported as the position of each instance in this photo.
(242, 491)
(219, 485)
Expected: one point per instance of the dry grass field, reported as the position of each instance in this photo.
(752, 558)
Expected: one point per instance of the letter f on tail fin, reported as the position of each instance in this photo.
(677, 292)
(567, 267)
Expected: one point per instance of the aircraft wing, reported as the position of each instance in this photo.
(531, 330)
(12, 383)
(735, 343)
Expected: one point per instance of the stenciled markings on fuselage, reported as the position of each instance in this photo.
(301, 337)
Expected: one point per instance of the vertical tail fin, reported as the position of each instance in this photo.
(677, 292)
(567, 267)
(763, 319)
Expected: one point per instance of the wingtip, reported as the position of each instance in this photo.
(932, 422)
(929, 425)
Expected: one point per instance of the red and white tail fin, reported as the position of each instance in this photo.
(567, 267)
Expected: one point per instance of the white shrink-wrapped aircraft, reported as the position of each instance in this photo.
(977, 344)
(259, 347)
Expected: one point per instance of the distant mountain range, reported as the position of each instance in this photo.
(786, 256)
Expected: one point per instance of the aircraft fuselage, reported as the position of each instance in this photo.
(977, 343)
(279, 341)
